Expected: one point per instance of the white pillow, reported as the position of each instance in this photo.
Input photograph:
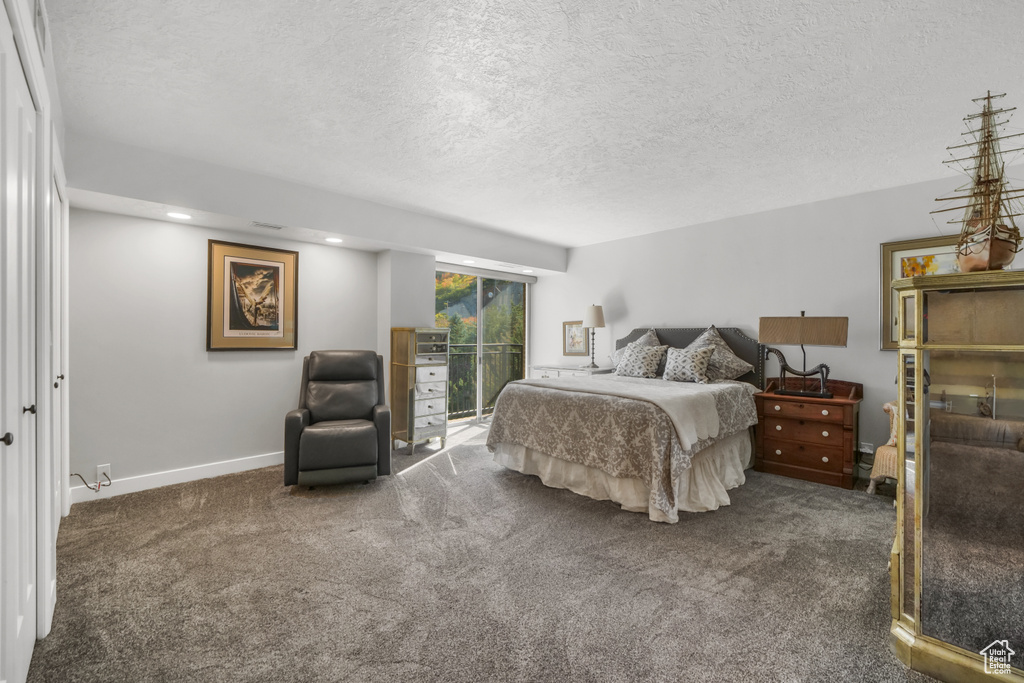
(689, 364)
(641, 361)
(724, 364)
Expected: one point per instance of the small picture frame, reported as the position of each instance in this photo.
(252, 298)
(906, 258)
(574, 339)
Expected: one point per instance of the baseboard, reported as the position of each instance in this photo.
(178, 476)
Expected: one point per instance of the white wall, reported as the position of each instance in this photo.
(146, 395)
(405, 297)
(822, 258)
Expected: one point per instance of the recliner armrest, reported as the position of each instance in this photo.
(382, 421)
(294, 422)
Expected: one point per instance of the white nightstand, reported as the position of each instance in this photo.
(543, 371)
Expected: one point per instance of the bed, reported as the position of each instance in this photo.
(650, 445)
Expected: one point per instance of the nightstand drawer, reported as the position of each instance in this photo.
(803, 455)
(429, 390)
(440, 338)
(823, 433)
(429, 406)
(432, 373)
(429, 421)
(807, 411)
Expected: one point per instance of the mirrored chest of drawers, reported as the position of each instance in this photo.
(419, 384)
(808, 437)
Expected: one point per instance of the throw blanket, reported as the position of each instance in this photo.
(614, 425)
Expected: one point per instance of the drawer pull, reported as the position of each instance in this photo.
(824, 459)
(824, 412)
(778, 428)
(778, 407)
(778, 452)
(824, 434)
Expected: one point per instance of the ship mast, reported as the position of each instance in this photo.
(987, 176)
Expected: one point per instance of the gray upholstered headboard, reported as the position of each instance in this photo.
(680, 337)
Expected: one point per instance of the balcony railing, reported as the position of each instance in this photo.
(502, 363)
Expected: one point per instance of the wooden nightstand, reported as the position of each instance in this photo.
(809, 438)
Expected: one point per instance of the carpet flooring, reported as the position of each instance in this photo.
(455, 569)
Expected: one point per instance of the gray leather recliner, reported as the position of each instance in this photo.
(341, 431)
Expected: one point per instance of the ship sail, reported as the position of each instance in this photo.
(989, 237)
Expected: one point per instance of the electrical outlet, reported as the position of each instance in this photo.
(867, 447)
(100, 471)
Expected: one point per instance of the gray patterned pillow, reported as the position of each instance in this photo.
(641, 361)
(648, 338)
(689, 364)
(724, 364)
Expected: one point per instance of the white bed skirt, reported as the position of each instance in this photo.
(703, 487)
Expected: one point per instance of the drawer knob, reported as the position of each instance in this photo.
(824, 459)
(778, 452)
(432, 374)
(430, 390)
(824, 412)
(778, 428)
(778, 407)
(824, 434)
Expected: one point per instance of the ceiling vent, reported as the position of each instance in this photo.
(267, 226)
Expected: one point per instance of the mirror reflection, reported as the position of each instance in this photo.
(972, 525)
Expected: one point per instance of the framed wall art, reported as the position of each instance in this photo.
(574, 339)
(928, 256)
(252, 298)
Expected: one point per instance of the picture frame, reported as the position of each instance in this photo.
(906, 258)
(252, 298)
(574, 339)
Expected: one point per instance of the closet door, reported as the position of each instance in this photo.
(17, 365)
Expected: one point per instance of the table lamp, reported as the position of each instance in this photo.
(593, 318)
(801, 331)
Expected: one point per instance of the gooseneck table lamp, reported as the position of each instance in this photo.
(802, 331)
(593, 318)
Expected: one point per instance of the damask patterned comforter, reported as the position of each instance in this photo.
(616, 425)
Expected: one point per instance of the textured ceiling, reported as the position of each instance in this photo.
(572, 122)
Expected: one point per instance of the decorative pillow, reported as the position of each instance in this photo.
(641, 361)
(724, 364)
(648, 338)
(689, 364)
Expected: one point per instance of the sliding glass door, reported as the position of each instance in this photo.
(487, 344)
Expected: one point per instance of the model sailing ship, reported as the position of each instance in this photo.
(989, 237)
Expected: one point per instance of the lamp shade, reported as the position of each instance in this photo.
(801, 330)
(593, 317)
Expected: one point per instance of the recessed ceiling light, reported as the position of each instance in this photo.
(527, 270)
(178, 214)
(333, 239)
(467, 261)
